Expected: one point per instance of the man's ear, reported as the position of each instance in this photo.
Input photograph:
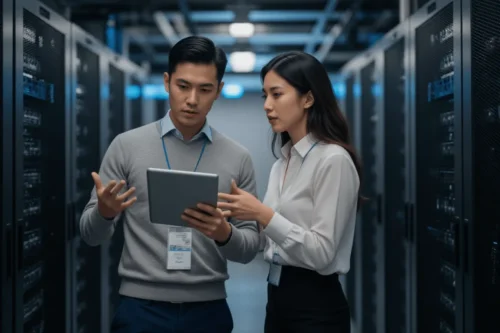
(166, 82)
(309, 101)
(219, 89)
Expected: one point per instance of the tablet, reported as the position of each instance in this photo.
(172, 191)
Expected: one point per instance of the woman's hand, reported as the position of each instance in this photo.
(244, 206)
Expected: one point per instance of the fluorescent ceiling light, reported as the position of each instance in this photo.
(242, 61)
(241, 30)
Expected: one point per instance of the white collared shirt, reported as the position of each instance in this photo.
(315, 208)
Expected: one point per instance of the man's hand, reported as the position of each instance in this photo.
(109, 202)
(210, 221)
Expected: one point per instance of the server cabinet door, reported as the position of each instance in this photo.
(6, 148)
(395, 187)
(41, 174)
(481, 73)
(86, 159)
(351, 275)
(369, 214)
(437, 286)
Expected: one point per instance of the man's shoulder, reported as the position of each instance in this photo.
(140, 133)
(229, 145)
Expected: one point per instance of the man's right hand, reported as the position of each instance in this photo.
(109, 202)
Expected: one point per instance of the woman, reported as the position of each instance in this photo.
(308, 214)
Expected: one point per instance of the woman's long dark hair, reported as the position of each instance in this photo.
(325, 121)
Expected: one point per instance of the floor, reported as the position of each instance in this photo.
(247, 295)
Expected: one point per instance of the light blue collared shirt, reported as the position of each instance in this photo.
(168, 127)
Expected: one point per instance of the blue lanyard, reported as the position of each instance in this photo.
(166, 154)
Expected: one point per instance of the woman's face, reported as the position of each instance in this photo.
(284, 106)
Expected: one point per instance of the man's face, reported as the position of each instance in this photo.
(192, 89)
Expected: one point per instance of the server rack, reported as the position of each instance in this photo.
(371, 232)
(436, 171)
(120, 110)
(6, 171)
(41, 287)
(88, 128)
(394, 183)
(349, 75)
(481, 151)
(116, 107)
(363, 74)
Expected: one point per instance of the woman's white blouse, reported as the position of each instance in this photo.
(315, 208)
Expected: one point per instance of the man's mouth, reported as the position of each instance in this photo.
(189, 111)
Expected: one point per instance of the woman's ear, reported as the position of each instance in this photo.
(309, 100)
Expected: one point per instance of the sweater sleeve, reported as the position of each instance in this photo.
(244, 243)
(94, 229)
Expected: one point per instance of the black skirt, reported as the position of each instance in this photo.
(306, 302)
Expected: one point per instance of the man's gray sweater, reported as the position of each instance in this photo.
(143, 265)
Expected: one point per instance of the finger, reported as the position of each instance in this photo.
(207, 208)
(126, 194)
(195, 223)
(200, 216)
(118, 187)
(227, 197)
(226, 205)
(128, 203)
(234, 187)
(109, 187)
(97, 181)
(227, 213)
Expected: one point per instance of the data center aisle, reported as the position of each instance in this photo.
(247, 295)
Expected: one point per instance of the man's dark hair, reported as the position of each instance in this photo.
(197, 50)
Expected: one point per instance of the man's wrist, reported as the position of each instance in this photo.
(229, 233)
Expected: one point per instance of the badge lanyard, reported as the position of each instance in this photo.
(275, 252)
(166, 154)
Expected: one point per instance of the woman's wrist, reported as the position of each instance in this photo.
(265, 215)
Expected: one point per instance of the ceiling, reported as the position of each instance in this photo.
(334, 30)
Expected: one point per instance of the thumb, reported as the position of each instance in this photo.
(97, 181)
(234, 187)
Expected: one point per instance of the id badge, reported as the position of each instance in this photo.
(274, 271)
(274, 275)
(179, 248)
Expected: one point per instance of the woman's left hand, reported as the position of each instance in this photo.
(244, 206)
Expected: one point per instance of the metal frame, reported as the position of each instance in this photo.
(417, 19)
(6, 218)
(62, 25)
(464, 14)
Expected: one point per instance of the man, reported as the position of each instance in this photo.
(157, 295)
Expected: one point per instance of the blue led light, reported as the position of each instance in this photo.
(232, 90)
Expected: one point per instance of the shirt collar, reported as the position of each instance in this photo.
(301, 148)
(167, 126)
